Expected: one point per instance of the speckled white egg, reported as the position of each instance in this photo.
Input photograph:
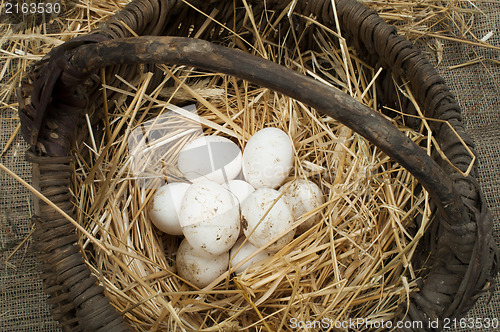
(267, 158)
(278, 220)
(241, 251)
(212, 158)
(209, 217)
(303, 196)
(198, 267)
(166, 206)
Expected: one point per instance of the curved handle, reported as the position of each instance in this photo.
(366, 122)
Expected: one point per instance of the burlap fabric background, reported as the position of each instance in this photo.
(23, 304)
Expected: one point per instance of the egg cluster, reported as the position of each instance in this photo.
(225, 220)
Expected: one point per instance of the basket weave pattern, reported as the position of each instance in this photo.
(61, 88)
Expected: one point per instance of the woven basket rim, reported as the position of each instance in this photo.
(465, 237)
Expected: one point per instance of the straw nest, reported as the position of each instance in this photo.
(356, 262)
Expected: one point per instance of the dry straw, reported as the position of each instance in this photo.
(357, 262)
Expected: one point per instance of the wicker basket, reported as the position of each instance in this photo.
(60, 88)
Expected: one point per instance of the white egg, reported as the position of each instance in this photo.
(240, 252)
(212, 158)
(166, 206)
(199, 267)
(277, 221)
(210, 217)
(303, 196)
(267, 158)
(240, 189)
